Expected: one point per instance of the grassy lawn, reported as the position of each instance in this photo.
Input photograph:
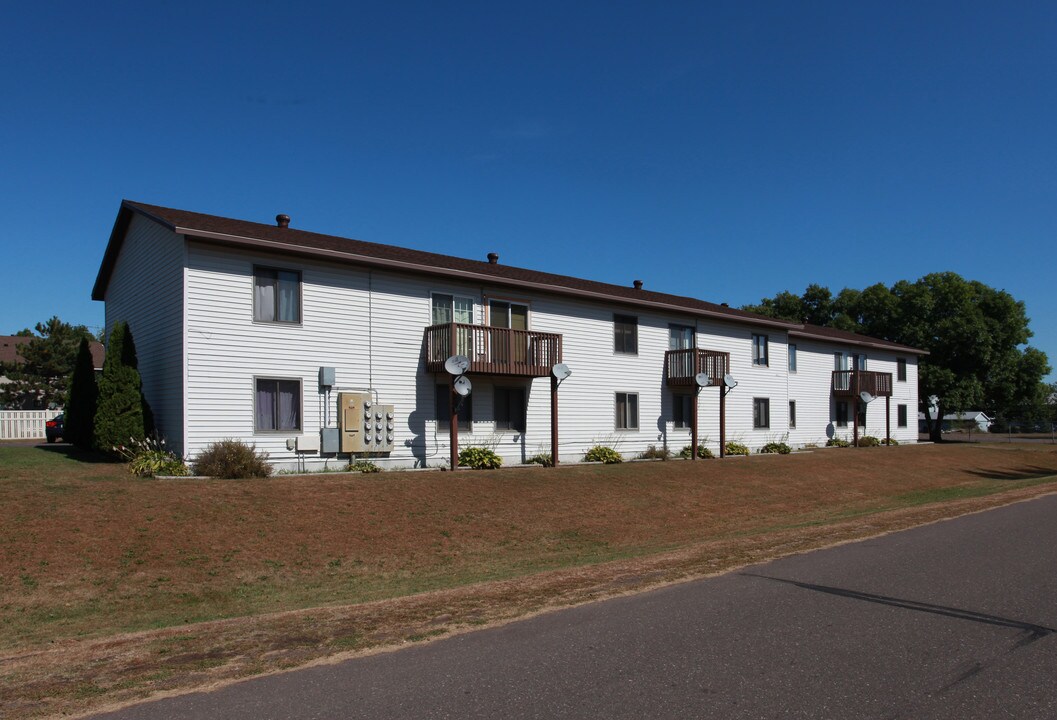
(88, 552)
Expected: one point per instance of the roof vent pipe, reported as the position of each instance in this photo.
(493, 258)
(637, 284)
(282, 221)
(724, 305)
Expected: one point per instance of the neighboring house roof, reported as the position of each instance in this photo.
(974, 415)
(273, 238)
(9, 345)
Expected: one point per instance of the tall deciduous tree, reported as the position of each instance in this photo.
(42, 379)
(122, 413)
(976, 338)
(79, 425)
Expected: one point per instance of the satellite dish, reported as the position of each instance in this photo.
(702, 380)
(866, 397)
(561, 371)
(457, 364)
(729, 381)
(462, 385)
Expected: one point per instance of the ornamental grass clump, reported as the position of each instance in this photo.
(869, 441)
(736, 448)
(776, 447)
(232, 459)
(655, 453)
(148, 457)
(837, 442)
(702, 452)
(603, 454)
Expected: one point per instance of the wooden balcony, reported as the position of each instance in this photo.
(681, 366)
(493, 351)
(849, 383)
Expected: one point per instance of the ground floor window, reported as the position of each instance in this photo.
(444, 408)
(761, 412)
(627, 411)
(841, 413)
(901, 415)
(509, 409)
(277, 405)
(862, 415)
(682, 411)
(792, 413)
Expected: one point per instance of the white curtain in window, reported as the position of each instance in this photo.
(265, 405)
(288, 297)
(289, 406)
(264, 300)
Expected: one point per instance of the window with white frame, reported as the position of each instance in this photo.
(792, 358)
(761, 413)
(792, 413)
(627, 411)
(277, 405)
(276, 295)
(759, 350)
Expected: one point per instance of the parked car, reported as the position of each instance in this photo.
(53, 427)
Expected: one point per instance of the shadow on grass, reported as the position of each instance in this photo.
(1027, 473)
(76, 454)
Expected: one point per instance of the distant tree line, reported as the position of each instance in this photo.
(976, 337)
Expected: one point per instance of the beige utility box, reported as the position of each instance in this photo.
(366, 426)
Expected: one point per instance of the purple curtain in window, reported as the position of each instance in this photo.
(289, 406)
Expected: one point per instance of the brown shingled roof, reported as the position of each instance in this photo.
(819, 332)
(9, 345)
(273, 238)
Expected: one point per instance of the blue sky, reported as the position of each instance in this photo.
(722, 150)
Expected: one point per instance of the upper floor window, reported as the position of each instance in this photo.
(901, 369)
(502, 314)
(860, 361)
(840, 361)
(759, 350)
(680, 337)
(792, 358)
(627, 411)
(451, 308)
(276, 295)
(277, 405)
(626, 334)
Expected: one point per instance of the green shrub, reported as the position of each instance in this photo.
(655, 453)
(702, 452)
(776, 447)
(868, 441)
(362, 466)
(232, 459)
(79, 427)
(890, 441)
(736, 448)
(543, 459)
(837, 442)
(121, 411)
(601, 453)
(148, 457)
(479, 458)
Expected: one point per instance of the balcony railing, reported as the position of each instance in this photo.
(847, 383)
(492, 350)
(681, 366)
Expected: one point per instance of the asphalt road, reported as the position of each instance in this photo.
(952, 620)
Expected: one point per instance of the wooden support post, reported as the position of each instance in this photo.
(722, 420)
(554, 420)
(453, 429)
(693, 426)
(888, 420)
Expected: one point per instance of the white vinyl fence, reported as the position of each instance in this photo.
(24, 424)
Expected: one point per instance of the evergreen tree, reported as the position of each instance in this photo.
(40, 380)
(122, 411)
(79, 427)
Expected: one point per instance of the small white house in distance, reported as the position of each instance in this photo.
(978, 419)
(319, 348)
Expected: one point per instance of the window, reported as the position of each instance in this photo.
(276, 295)
(862, 415)
(682, 411)
(444, 409)
(626, 334)
(759, 350)
(680, 337)
(451, 308)
(839, 361)
(842, 413)
(901, 415)
(792, 413)
(761, 412)
(860, 362)
(792, 358)
(502, 314)
(509, 409)
(627, 411)
(277, 405)
(901, 369)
